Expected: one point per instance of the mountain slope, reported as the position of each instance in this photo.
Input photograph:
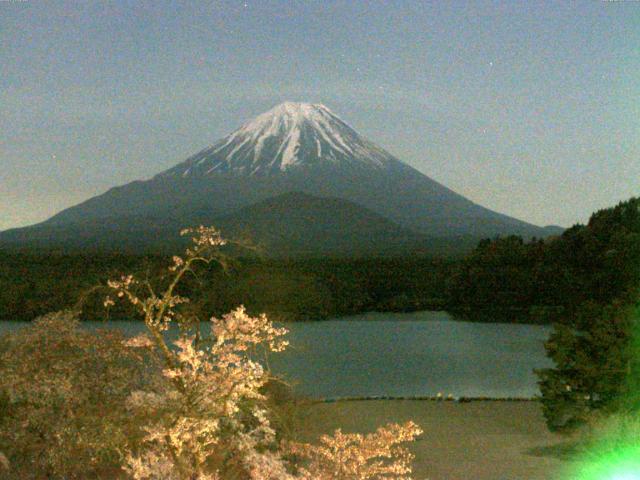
(295, 224)
(291, 224)
(295, 147)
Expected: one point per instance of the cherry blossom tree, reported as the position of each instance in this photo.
(209, 419)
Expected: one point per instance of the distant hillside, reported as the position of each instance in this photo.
(297, 224)
(288, 225)
(549, 280)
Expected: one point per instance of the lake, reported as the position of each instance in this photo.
(403, 355)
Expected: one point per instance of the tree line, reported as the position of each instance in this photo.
(35, 283)
(543, 281)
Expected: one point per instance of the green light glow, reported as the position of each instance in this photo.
(623, 464)
(615, 451)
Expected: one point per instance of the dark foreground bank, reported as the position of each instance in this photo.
(480, 440)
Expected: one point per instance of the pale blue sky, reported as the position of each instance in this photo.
(529, 108)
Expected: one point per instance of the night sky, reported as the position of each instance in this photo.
(529, 108)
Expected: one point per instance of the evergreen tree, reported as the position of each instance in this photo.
(593, 344)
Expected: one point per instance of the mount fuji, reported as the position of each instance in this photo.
(292, 170)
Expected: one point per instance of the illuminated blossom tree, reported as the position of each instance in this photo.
(361, 457)
(208, 419)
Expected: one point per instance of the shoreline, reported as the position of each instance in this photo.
(428, 398)
(454, 314)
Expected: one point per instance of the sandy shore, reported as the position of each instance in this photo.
(487, 440)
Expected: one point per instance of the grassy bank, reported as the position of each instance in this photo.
(480, 440)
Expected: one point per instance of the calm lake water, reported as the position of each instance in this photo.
(407, 354)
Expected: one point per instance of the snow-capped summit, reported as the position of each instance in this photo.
(289, 135)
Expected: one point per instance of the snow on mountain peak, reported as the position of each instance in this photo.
(298, 110)
(289, 135)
